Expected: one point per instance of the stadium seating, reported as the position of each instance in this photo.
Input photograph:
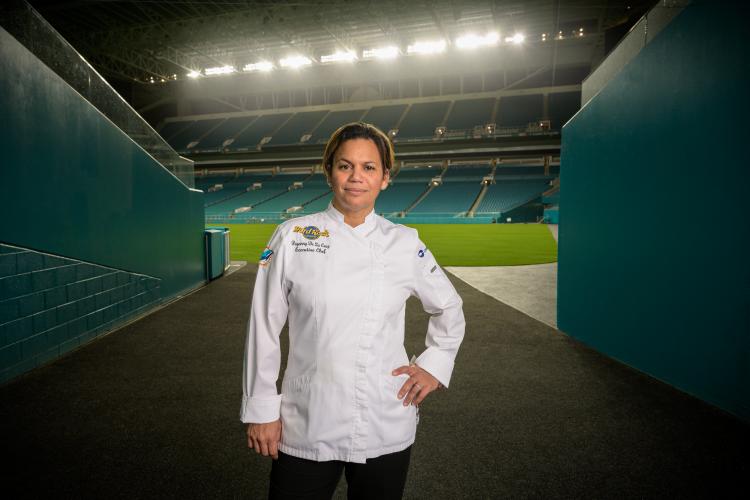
(333, 121)
(421, 174)
(261, 127)
(172, 128)
(398, 197)
(506, 195)
(300, 124)
(466, 172)
(317, 204)
(193, 132)
(421, 120)
(214, 140)
(520, 110)
(519, 170)
(470, 113)
(450, 197)
(385, 117)
(415, 122)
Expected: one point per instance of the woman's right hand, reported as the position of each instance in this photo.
(265, 438)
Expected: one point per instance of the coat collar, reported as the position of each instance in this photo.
(362, 229)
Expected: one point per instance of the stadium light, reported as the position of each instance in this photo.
(194, 74)
(264, 66)
(220, 70)
(389, 52)
(544, 37)
(472, 41)
(517, 39)
(432, 47)
(338, 56)
(295, 62)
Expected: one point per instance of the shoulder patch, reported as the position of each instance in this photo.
(265, 257)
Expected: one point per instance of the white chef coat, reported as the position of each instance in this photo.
(343, 290)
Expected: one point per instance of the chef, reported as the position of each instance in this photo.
(350, 395)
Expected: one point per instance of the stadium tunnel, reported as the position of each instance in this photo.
(113, 227)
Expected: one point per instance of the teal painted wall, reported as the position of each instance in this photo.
(653, 249)
(73, 185)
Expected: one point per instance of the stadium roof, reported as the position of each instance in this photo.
(144, 39)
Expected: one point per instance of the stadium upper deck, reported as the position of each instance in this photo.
(536, 112)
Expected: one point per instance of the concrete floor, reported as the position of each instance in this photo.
(530, 289)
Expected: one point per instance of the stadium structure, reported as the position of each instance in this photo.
(134, 132)
(472, 94)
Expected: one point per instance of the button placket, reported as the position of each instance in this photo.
(364, 348)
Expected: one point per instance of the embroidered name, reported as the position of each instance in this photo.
(311, 232)
(310, 246)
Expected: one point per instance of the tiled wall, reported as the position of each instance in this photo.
(51, 304)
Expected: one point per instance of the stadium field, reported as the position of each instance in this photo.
(452, 244)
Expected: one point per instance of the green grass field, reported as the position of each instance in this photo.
(452, 244)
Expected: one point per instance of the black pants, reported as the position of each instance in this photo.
(381, 478)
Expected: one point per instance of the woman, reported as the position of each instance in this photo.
(349, 395)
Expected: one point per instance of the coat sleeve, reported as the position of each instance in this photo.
(268, 313)
(446, 326)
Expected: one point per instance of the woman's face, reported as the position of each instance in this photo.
(357, 176)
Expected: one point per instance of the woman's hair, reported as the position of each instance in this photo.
(359, 130)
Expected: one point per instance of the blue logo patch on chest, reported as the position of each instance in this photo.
(421, 252)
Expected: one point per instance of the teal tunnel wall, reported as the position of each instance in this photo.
(74, 185)
(653, 249)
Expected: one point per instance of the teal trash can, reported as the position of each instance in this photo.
(215, 253)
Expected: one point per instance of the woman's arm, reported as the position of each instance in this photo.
(445, 329)
(260, 401)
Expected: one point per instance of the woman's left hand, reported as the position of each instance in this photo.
(418, 386)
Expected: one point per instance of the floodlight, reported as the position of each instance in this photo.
(259, 66)
(338, 56)
(517, 39)
(432, 47)
(194, 74)
(220, 70)
(389, 52)
(472, 41)
(295, 62)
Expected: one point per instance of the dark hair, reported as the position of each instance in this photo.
(359, 130)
